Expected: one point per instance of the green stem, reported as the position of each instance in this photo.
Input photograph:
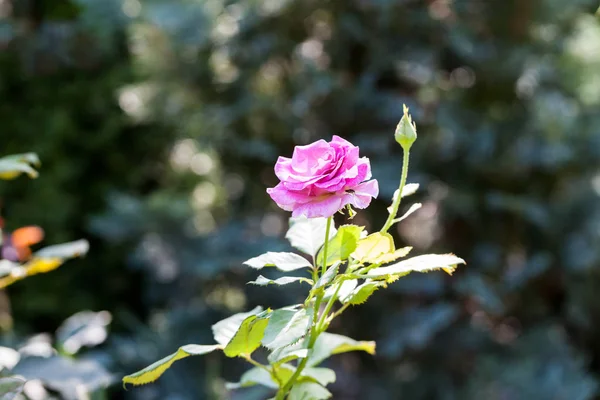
(314, 331)
(332, 300)
(326, 246)
(328, 308)
(338, 312)
(396, 203)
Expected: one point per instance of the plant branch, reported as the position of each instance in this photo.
(326, 246)
(314, 332)
(338, 312)
(328, 308)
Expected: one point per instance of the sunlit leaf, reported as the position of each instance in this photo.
(252, 377)
(373, 246)
(409, 189)
(284, 372)
(262, 281)
(85, 328)
(342, 245)
(154, 371)
(8, 358)
(15, 165)
(249, 335)
(7, 266)
(77, 248)
(389, 257)
(328, 344)
(323, 376)
(308, 391)
(347, 287)
(362, 293)
(42, 265)
(69, 378)
(225, 330)
(287, 354)
(308, 234)
(44, 260)
(424, 263)
(286, 326)
(11, 387)
(33, 267)
(327, 277)
(259, 376)
(411, 210)
(283, 261)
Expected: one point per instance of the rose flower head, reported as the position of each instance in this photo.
(322, 178)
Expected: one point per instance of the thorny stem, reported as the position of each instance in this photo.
(396, 203)
(314, 331)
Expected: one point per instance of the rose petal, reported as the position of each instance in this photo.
(312, 157)
(364, 193)
(320, 207)
(287, 199)
(317, 180)
(340, 140)
(363, 169)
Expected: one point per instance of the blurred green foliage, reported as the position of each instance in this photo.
(158, 123)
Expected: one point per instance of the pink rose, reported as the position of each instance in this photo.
(322, 178)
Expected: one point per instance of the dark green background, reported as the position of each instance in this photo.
(506, 97)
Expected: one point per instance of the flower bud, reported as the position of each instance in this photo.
(406, 131)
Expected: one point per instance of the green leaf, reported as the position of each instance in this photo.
(389, 257)
(249, 335)
(424, 263)
(15, 165)
(411, 210)
(259, 376)
(225, 330)
(409, 188)
(308, 391)
(286, 354)
(342, 244)
(362, 293)
(7, 266)
(327, 277)
(8, 358)
(283, 261)
(45, 260)
(286, 326)
(323, 376)
(373, 246)
(252, 377)
(262, 281)
(284, 372)
(11, 387)
(308, 234)
(280, 318)
(328, 344)
(154, 371)
(347, 287)
(77, 248)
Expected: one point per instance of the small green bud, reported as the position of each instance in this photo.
(406, 131)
